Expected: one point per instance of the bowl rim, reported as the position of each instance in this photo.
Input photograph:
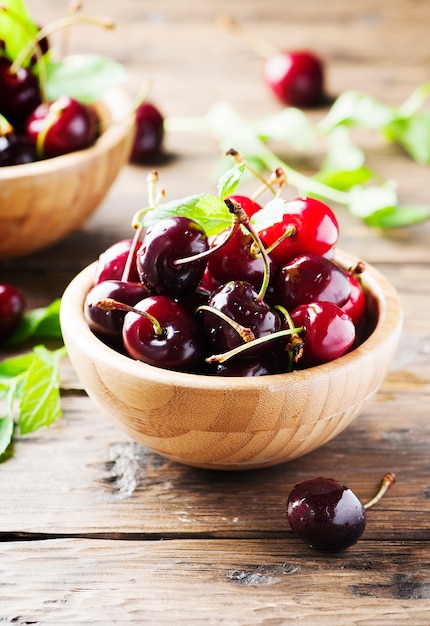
(75, 327)
(119, 106)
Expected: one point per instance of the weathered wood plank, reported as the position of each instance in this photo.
(234, 582)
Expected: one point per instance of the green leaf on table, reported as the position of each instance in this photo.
(413, 135)
(7, 426)
(343, 166)
(365, 201)
(83, 76)
(40, 394)
(353, 108)
(43, 322)
(14, 366)
(399, 216)
(291, 126)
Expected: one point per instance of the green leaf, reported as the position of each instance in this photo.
(6, 432)
(345, 179)
(290, 125)
(40, 396)
(229, 181)
(16, 33)
(365, 201)
(413, 134)
(83, 76)
(353, 108)
(14, 366)
(271, 213)
(43, 322)
(399, 216)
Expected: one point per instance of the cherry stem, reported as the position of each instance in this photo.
(235, 208)
(245, 333)
(109, 304)
(5, 127)
(277, 177)
(221, 358)
(211, 250)
(131, 254)
(262, 48)
(57, 25)
(238, 158)
(295, 349)
(72, 9)
(386, 482)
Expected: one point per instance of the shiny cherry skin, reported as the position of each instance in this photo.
(108, 324)
(180, 345)
(248, 205)
(315, 230)
(328, 332)
(19, 93)
(262, 365)
(148, 134)
(238, 259)
(325, 514)
(111, 263)
(169, 240)
(12, 308)
(239, 301)
(355, 306)
(65, 125)
(296, 77)
(310, 277)
(16, 150)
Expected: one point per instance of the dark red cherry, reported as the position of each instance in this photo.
(296, 77)
(171, 340)
(109, 323)
(16, 150)
(325, 514)
(310, 224)
(239, 301)
(238, 259)
(19, 93)
(309, 278)
(112, 261)
(12, 307)
(62, 126)
(262, 365)
(328, 332)
(164, 244)
(355, 306)
(148, 134)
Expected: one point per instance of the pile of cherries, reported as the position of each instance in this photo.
(241, 303)
(32, 128)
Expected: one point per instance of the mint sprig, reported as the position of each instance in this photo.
(30, 382)
(344, 177)
(29, 387)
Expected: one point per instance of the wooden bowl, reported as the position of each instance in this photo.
(234, 423)
(43, 202)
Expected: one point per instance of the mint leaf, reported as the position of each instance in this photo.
(40, 396)
(290, 125)
(6, 433)
(84, 77)
(229, 181)
(413, 135)
(365, 201)
(353, 108)
(399, 216)
(16, 26)
(38, 323)
(271, 213)
(14, 366)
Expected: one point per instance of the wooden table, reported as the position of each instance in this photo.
(97, 529)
